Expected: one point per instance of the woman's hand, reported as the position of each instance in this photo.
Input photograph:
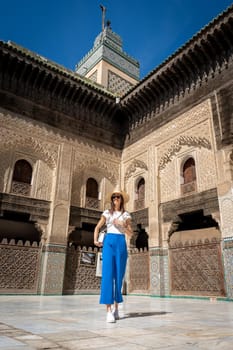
(98, 244)
(120, 225)
(124, 226)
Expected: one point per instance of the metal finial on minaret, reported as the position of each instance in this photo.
(108, 23)
(103, 9)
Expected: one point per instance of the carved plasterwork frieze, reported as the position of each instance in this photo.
(133, 167)
(228, 166)
(231, 157)
(191, 141)
(216, 217)
(28, 127)
(71, 229)
(45, 151)
(42, 228)
(109, 169)
(196, 117)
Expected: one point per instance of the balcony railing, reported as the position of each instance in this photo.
(21, 188)
(188, 188)
(92, 203)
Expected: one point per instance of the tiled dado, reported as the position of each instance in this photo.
(228, 265)
(159, 273)
(53, 262)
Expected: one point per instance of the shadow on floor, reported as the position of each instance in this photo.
(144, 314)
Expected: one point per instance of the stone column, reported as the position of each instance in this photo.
(153, 199)
(225, 198)
(54, 249)
(159, 272)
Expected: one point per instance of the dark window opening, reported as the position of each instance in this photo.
(92, 188)
(22, 171)
(141, 237)
(141, 189)
(82, 237)
(139, 202)
(15, 225)
(92, 194)
(189, 172)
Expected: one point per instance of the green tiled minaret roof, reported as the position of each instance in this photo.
(108, 47)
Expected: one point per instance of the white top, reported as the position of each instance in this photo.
(111, 228)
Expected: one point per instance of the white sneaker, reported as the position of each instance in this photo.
(116, 314)
(110, 317)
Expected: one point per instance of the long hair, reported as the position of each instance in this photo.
(122, 206)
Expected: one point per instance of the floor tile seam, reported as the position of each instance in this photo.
(128, 341)
(25, 333)
(75, 338)
(14, 329)
(31, 342)
(145, 332)
(117, 342)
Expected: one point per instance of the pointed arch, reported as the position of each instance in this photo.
(139, 202)
(188, 176)
(22, 177)
(92, 193)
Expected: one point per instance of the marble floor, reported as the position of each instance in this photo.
(78, 323)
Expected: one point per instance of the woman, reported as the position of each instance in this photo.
(114, 254)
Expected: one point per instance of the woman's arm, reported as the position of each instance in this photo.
(97, 230)
(128, 228)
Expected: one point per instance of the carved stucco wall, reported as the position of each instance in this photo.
(225, 190)
(101, 164)
(190, 134)
(195, 140)
(133, 170)
(41, 145)
(20, 139)
(158, 158)
(61, 165)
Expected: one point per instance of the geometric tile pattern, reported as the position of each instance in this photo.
(228, 265)
(197, 270)
(159, 272)
(139, 275)
(79, 277)
(19, 268)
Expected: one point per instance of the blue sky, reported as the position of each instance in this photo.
(64, 30)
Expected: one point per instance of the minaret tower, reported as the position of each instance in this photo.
(107, 64)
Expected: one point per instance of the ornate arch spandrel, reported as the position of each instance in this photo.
(110, 172)
(42, 150)
(133, 167)
(190, 141)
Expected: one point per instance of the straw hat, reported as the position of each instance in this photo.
(117, 190)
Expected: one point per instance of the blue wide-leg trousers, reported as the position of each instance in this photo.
(114, 258)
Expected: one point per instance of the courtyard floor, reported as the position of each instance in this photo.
(78, 322)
